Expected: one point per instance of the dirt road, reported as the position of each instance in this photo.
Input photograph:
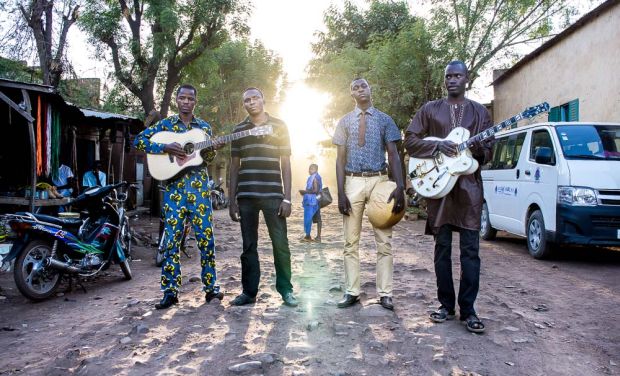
(556, 317)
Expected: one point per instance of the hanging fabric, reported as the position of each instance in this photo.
(39, 140)
(48, 138)
(56, 136)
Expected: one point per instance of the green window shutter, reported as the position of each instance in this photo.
(573, 110)
(554, 114)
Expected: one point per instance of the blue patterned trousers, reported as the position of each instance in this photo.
(188, 199)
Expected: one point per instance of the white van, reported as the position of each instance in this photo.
(554, 183)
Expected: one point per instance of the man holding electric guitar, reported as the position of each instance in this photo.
(173, 145)
(458, 208)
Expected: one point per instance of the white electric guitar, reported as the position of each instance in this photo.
(165, 166)
(436, 176)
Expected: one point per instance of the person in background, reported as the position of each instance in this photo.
(95, 177)
(312, 210)
(64, 182)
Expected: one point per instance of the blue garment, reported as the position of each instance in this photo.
(310, 201)
(89, 179)
(64, 173)
(187, 198)
(380, 129)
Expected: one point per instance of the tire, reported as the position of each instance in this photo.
(487, 232)
(126, 237)
(159, 254)
(35, 287)
(126, 269)
(536, 233)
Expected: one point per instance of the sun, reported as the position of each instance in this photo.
(302, 110)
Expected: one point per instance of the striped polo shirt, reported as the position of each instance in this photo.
(260, 173)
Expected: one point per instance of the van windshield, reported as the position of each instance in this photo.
(590, 141)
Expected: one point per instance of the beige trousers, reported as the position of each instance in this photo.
(358, 190)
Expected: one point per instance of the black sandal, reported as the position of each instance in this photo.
(474, 324)
(441, 315)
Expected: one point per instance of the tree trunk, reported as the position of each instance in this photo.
(172, 80)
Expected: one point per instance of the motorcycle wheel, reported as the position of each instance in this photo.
(125, 237)
(126, 269)
(32, 281)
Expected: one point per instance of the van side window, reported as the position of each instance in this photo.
(506, 152)
(541, 138)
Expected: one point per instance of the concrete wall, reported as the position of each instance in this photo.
(585, 65)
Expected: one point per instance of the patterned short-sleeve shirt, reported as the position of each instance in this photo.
(380, 129)
(173, 124)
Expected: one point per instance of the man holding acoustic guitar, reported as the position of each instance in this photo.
(460, 209)
(187, 196)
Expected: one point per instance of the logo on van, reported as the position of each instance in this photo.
(537, 175)
(506, 191)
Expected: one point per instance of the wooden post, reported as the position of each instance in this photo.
(33, 150)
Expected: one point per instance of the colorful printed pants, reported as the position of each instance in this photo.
(188, 199)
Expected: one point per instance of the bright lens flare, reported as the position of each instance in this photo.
(302, 110)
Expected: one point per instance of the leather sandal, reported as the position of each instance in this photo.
(474, 324)
(442, 314)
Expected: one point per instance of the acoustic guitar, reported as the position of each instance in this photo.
(165, 166)
(436, 176)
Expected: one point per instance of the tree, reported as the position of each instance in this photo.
(480, 31)
(387, 46)
(354, 26)
(402, 71)
(221, 75)
(152, 41)
(36, 22)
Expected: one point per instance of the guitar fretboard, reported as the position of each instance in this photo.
(226, 138)
(488, 133)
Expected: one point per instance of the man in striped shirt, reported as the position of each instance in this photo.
(260, 180)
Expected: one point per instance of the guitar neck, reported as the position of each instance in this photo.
(225, 139)
(490, 132)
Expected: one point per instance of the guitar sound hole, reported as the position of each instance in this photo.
(188, 148)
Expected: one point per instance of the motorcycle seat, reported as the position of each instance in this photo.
(64, 222)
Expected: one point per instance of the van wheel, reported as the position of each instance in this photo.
(486, 231)
(537, 243)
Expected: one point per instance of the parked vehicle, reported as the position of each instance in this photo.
(218, 196)
(44, 248)
(554, 183)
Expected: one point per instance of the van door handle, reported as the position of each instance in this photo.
(528, 173)
(518, 173)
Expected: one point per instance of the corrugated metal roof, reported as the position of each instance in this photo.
(106, 115)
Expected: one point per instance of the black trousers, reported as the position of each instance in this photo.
(249, 209)
(470, 269)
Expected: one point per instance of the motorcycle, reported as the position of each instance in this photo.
(45, 248)
(218, 196)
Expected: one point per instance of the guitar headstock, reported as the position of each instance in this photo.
(535, 110)
(263, 130)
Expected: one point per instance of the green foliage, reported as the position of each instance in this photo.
(151, 42)
(403, 58)
(356, 27)
(119, 100)
(18, 71)
(221, 75)
(388, 47)
(481, 31)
